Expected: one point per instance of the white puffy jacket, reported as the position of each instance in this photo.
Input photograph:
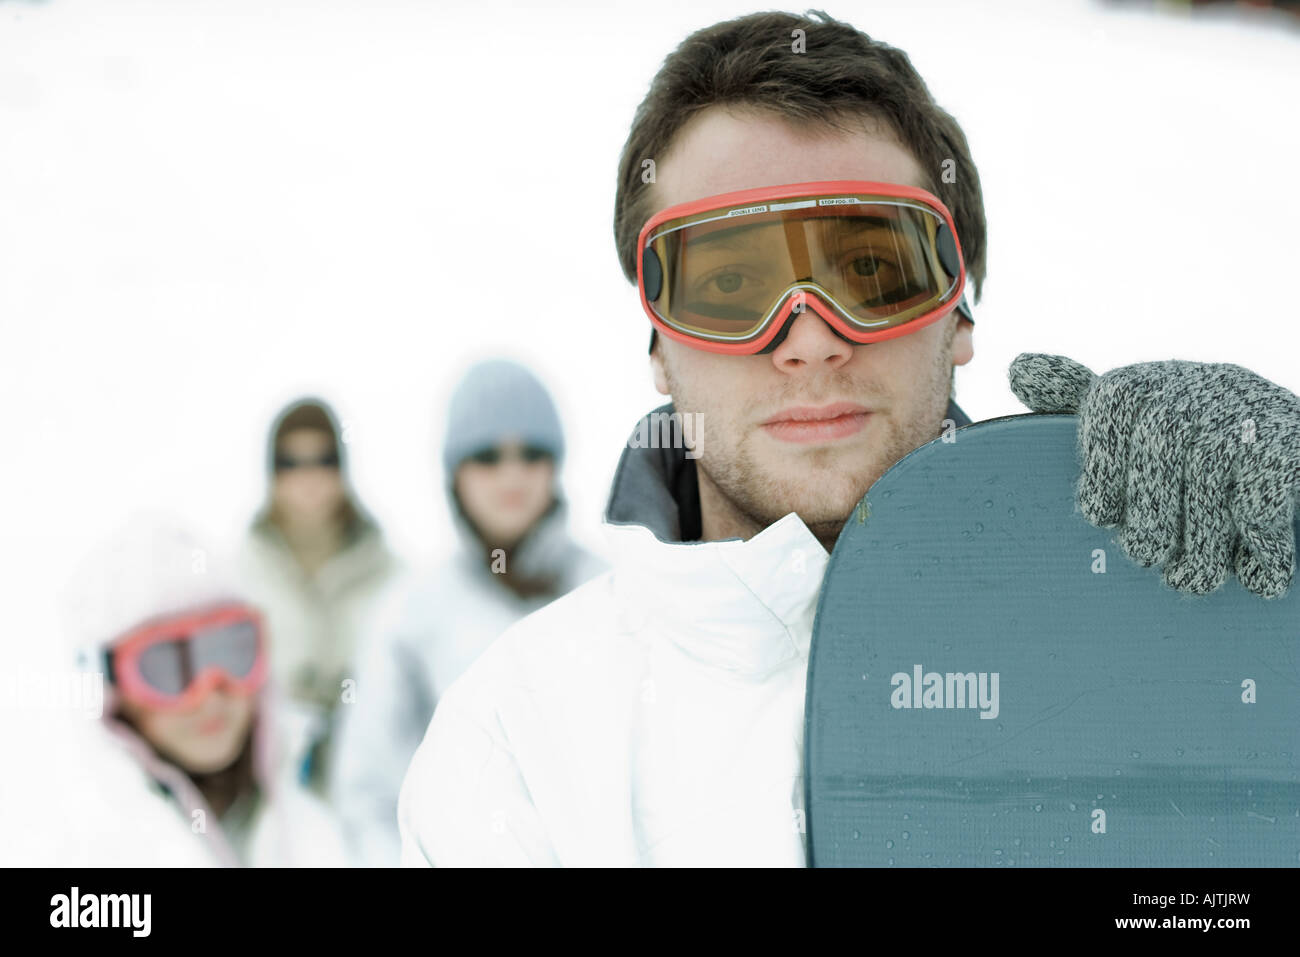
(651, 717)
(104, 797)
(113, 803)
(315, 623)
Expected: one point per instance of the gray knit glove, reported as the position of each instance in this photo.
(1197, 464)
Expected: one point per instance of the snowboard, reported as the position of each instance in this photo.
(992, 682)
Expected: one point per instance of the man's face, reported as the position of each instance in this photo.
(870, 404)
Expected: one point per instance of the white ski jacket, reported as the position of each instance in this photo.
(112, 802)
(105, 797)
(653, 716)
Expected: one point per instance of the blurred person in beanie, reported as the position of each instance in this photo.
(185, 766)
(501, 456)
(317, 563)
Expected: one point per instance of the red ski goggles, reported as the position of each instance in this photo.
(171, 664)
(874, 260)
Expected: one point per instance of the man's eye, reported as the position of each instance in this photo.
(728, 282)
(865, 265)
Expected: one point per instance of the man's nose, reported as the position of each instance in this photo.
(810, 343)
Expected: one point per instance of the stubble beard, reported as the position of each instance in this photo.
(827, 486)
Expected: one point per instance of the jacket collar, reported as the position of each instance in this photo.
(746, 607)
(363, 553)
(267, 754)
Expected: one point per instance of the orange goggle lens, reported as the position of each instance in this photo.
(724, 274)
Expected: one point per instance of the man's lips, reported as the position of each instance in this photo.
(825, 423)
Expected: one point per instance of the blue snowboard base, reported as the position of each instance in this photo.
(992, 682)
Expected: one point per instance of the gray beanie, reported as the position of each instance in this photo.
(498, 400)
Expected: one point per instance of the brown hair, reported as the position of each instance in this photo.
(546, 582)
(842, 73)
(223, 788)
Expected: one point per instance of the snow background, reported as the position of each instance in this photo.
(210, 207)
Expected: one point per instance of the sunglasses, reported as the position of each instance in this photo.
(287, 463)
(173, 663)
(495, 456)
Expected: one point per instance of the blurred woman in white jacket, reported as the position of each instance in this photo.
(501, 455)
(184, 767)
(318, 565)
